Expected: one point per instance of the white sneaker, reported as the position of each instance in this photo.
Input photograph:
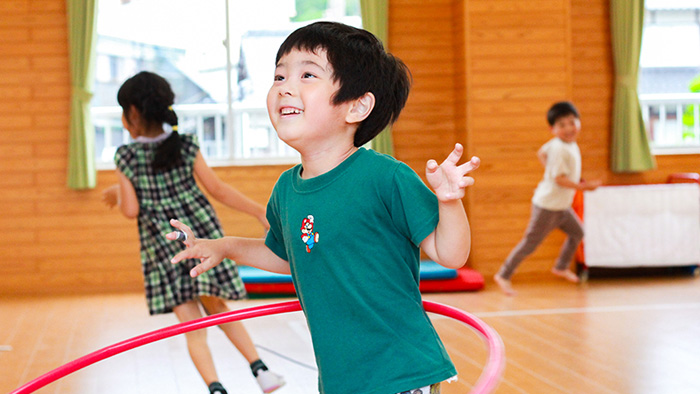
(269, 381)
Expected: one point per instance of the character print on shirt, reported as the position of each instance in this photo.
(308, 236)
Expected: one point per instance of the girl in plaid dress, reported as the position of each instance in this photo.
(156, 183)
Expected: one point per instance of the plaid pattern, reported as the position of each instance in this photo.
(174, 194)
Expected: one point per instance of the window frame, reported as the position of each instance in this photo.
(239, 148)
(663, 112)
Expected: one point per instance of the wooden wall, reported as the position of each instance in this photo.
(485, 71)
(58, 240)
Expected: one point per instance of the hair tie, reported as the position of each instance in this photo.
(174, 128)
(171, 108)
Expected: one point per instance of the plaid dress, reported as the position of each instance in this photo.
(174, 194)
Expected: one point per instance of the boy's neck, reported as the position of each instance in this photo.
(319, 163)
(573, 141)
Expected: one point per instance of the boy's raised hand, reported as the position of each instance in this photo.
(448, 179)
(208, 251)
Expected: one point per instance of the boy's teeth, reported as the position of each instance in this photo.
(287, 111)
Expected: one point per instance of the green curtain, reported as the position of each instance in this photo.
(630, 150)
(375, 19)
(81, 41)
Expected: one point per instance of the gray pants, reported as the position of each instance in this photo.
(543, 222)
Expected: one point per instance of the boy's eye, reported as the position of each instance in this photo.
(308, 75)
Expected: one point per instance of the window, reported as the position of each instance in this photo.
(220, 81)
(669, 78)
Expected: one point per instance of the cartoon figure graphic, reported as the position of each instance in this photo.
(307, 233)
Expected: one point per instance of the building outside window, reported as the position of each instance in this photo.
(669, 75)
(218, 56)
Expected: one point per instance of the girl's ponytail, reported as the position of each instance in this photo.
(168, 154)
(151, 95)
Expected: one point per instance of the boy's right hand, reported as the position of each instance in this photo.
(209, 251)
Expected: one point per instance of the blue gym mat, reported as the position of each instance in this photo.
(429, 270)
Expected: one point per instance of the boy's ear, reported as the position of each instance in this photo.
(360, 108)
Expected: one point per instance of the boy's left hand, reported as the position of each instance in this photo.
(448, 180)
(591, 185)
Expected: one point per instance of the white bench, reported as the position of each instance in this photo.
(642, 225)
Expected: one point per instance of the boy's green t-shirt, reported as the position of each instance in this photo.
(351, 237)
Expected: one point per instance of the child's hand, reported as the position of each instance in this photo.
(448, 180)
(591, 185)
(206, 250)
(110, 196)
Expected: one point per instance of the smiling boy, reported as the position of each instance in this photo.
(335, 88)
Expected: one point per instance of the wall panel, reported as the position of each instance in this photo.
(485, 71)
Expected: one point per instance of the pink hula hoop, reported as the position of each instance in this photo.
(488, 380)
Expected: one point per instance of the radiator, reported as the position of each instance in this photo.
(642, 225)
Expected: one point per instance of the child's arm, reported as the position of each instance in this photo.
(225, 193)
(564, 181)
(542, 156)
(450, 243)
(245, 251)
(123, 195)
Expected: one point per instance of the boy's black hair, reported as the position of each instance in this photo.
(360, 65)
(151, 95)
(560, 109)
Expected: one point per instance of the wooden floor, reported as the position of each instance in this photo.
(621, 335)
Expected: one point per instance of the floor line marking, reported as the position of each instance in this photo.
(595, 309)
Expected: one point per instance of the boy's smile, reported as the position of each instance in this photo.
(290, 111)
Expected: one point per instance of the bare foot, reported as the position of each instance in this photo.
(566, 274)
(504, 284)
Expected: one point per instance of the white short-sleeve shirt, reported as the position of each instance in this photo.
(563, 158)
